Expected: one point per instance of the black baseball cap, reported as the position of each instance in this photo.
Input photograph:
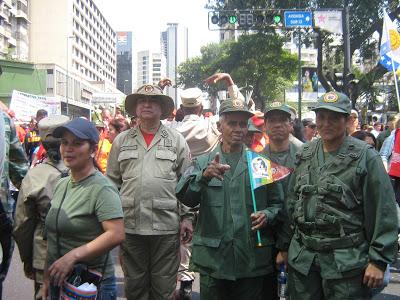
(79, 127)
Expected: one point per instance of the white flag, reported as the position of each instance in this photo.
(329, 20)
(390, 45)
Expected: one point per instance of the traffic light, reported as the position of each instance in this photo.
(245, 19)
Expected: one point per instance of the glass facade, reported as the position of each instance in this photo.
(124, 62)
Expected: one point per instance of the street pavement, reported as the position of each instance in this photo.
(17, 287)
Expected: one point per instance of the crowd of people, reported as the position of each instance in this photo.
(172, 189)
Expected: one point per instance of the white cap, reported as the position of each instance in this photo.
(354, 112)
(192, 97)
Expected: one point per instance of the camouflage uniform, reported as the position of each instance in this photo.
(14, 169)
(343, 211)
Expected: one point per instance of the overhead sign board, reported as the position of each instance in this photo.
(298, 18)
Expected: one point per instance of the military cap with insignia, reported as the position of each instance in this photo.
(235, 105)
(47, 125)
(153, 91)
(279, 106)
(192, 97)
(334, 101)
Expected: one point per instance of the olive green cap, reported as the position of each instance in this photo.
(49, 124)
(251, 127)
(279, 106)
(235, 105)
(334, 101)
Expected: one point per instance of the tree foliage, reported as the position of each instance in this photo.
(256, 60)
(365, 18)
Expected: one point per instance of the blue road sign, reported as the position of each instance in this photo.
(298, 18)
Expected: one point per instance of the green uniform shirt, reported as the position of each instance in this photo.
(15, 164)
(87, 203)
(343, 210)
(286, 159)
(224, 246)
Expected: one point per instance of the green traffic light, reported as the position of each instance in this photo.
(277, 19)
(232, 19)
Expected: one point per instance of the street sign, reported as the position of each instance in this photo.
(298, 18)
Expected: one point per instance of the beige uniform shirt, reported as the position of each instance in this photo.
(33, 203)
(147, 177)
(200, 133)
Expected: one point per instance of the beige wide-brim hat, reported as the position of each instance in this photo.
(149, 90)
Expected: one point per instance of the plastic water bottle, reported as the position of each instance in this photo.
(282, 282)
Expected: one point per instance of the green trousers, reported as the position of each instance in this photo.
(150, 265)
(221, 289)
(313, 287)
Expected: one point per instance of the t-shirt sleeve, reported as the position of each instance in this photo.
(108, 205)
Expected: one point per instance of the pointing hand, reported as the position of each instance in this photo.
(215, 169)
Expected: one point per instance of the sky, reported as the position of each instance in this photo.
(148, 18)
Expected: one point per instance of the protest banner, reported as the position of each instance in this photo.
(26, 105)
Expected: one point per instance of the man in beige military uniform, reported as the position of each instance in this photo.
(145, 163)
(201, 133)
(33, 203)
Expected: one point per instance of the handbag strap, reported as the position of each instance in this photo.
(58, 233)
(57, 217)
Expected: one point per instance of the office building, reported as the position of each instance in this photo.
(74, 36)
(124, 61)
(150, 67)
(14, 25)
(82, 41)
(174, 47)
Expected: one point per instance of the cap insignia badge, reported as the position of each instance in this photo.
(331, 97)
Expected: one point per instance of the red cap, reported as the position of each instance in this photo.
(257, 121)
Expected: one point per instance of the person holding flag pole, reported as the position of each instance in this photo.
(281, 150)
(390, 50)
(226, 249)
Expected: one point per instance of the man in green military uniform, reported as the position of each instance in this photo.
(14, 169)
(281, 150)
(343, 210)
(33, 203)
(224, 242)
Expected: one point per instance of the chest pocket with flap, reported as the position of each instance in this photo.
(127, 160)
(165, 163)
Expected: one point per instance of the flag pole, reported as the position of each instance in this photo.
(395, 84)
(253, 197)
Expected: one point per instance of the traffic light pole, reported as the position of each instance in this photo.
(346, 46)
(300, 85)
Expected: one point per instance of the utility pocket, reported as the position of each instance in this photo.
(127, 160)
(165, 164)
(128, 207)
(165, 214)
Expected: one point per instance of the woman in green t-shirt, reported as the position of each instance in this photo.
(85, 220)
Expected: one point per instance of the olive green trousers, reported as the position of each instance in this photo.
(240, 289)
(313, 287)
(150, 265)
